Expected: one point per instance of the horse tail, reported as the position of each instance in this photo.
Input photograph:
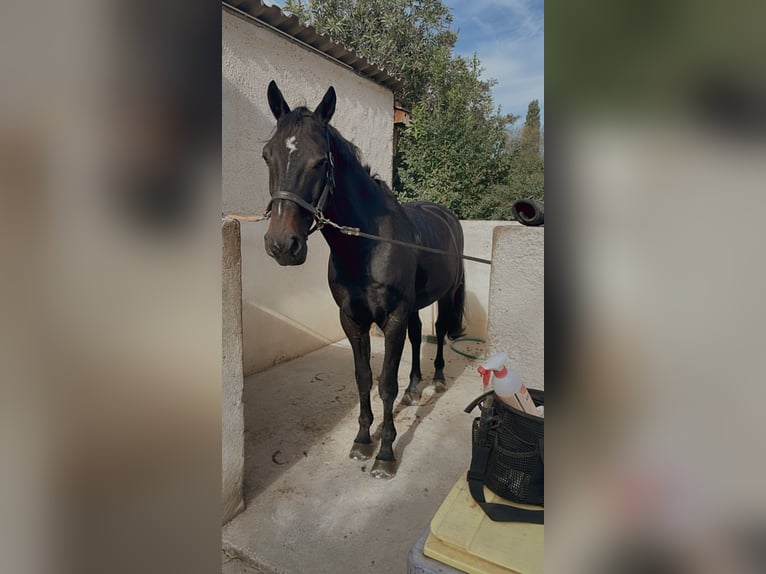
(454, 316)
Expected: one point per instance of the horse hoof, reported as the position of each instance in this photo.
(440, 386)
(384, 469)
(362, 451)
(410, 398)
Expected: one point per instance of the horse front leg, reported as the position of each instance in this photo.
(395, 331)
(414, 331)
(359, 337)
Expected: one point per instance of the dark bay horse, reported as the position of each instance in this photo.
(314, 173)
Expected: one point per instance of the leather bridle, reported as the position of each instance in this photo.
(317, 210)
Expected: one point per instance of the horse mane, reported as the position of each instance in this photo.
(344, 149)
(348, 152)
(380, 181)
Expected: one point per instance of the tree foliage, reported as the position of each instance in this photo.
(530, 135)
(525, 176)
(401, 36)
(456, 150)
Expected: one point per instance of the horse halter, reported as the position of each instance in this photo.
(315, 210)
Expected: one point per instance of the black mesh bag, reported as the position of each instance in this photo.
(508, 458)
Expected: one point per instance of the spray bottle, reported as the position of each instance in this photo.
(495, 364)
(507, 384)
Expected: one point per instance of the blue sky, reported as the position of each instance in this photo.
(507, 35)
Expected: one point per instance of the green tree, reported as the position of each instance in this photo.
(525, 169)
(530, 135)
(401, 36)
(454, 149)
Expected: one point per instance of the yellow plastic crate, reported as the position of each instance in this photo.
(465, 538)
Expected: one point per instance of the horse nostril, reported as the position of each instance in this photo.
(295, 247)
(272, 248)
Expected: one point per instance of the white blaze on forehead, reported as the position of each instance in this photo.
(292, 145)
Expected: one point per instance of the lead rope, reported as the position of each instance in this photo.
(356, 232)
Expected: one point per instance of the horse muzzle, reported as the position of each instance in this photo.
(286, 250)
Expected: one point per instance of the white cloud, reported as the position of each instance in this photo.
(519, 74)
(508, 36)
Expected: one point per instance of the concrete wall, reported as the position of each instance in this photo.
(286, 311)
(516, 300)
(254, 55)
(232, 416)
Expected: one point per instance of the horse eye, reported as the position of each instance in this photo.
(320, 163)
(265, 157)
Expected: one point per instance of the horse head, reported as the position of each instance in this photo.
(300, 174)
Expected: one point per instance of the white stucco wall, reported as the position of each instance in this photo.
(252, 56)
(517, 301)
(286, 311)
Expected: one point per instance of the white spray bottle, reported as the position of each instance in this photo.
(494, 365)
(507, 384)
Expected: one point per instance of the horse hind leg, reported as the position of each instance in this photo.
(449, 322)
(441, 331)
(414, 330)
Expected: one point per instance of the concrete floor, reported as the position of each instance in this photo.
(310, 508)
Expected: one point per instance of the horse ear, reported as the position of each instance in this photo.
(326, 107)
(277, 102)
